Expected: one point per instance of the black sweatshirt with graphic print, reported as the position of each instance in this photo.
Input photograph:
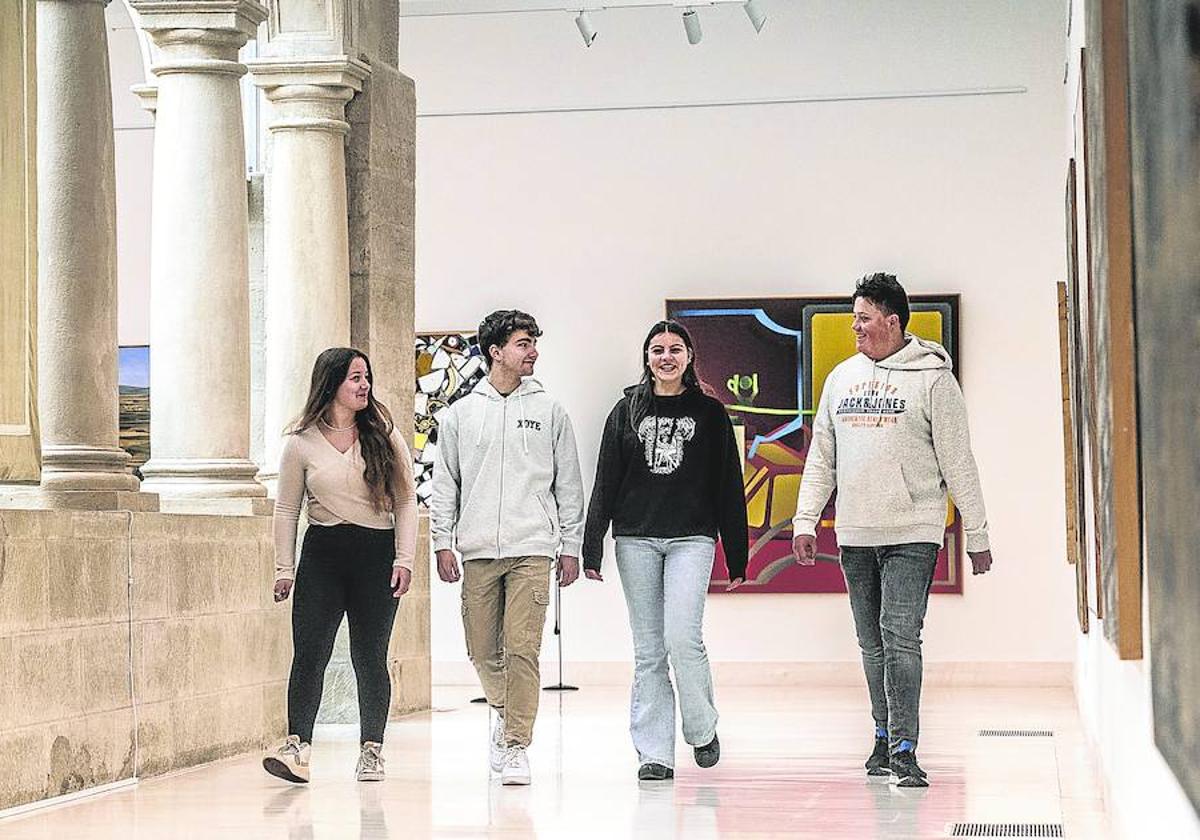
(677, 475)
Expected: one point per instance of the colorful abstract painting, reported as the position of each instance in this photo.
(133, 389)
(767, 359)
(448, 366)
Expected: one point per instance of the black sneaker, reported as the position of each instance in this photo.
(709, 754)
(652, 771)
(878, 763)
(906, 770)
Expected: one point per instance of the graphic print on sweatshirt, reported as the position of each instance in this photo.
(873, 403)
(664, 446)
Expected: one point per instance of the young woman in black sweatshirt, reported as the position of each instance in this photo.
(669, 481)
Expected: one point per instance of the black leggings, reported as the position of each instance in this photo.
(344, 570)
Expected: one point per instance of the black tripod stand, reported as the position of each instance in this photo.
(560, 685)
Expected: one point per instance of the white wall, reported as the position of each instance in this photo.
(590, 219)
(133, 128)
(1143, 796)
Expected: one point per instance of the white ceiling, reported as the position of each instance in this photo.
(421, 8)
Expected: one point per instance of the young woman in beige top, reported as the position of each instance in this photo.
(345, 459)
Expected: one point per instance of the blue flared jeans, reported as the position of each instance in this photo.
(665, 582)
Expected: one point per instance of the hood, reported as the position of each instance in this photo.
(918, 354)
(487, 391)
(484, 388)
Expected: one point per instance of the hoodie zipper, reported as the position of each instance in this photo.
(500, 502)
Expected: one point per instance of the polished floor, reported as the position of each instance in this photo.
(791, 767)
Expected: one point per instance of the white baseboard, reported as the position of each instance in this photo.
(937, 674)
(67, 798)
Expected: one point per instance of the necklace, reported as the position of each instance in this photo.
(334, 428)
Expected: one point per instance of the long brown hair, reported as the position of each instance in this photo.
(374, 422)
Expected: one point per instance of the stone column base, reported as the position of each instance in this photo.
(81, 467)
(202, 479)
(37, 498)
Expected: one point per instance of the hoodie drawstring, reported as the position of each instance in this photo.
(524, 429)
(887, 379)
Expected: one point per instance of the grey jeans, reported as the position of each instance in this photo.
(665, 583)
(889, 592)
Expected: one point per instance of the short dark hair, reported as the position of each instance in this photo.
(497, 328)
(885, 291)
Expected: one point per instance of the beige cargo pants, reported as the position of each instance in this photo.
(504, 610)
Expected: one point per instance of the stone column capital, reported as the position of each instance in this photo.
(228, 16)
(147, 95)
(309, 94)
(338, 71)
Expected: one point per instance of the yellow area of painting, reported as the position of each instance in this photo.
(756, 507)
(763, 489)
(784, 491)
(833, 341)
(419, 440)
(777, 454)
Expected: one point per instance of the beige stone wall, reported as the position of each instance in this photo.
(211, 649)
(116, 620)
(66, 707)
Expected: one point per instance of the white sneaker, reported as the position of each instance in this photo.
(289, 761)
(497, 745)
(516, 767)
(370, 762)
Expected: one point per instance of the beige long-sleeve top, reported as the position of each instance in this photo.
(313, 471)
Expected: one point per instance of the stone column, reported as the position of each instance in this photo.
(307, 240)
(77, 279)
(199, 309)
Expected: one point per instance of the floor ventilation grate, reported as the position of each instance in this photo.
(1006, 830)
(1016, 733)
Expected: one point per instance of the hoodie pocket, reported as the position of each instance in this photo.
(541, 500)
(880, 497)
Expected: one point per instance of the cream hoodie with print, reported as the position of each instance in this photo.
(891, 437)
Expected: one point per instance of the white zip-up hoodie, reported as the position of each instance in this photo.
(506, 479)
(891, 436)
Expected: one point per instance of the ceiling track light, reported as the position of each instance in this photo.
(586, 30)
(691, 25)
(757, 16)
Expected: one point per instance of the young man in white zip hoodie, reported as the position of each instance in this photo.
(890, 435)
(507, 493)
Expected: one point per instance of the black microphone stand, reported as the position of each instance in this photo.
(560, 685)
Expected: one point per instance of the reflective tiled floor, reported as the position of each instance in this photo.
(791, 767)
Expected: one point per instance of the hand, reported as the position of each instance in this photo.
(283, 588)
(981, 561)
(568, 569)
(734, 584)
(447, 565)
(804, 546)
(401, 579)
(593, 574)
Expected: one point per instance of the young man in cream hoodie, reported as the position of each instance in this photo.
(890, 435)
(507, 493)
